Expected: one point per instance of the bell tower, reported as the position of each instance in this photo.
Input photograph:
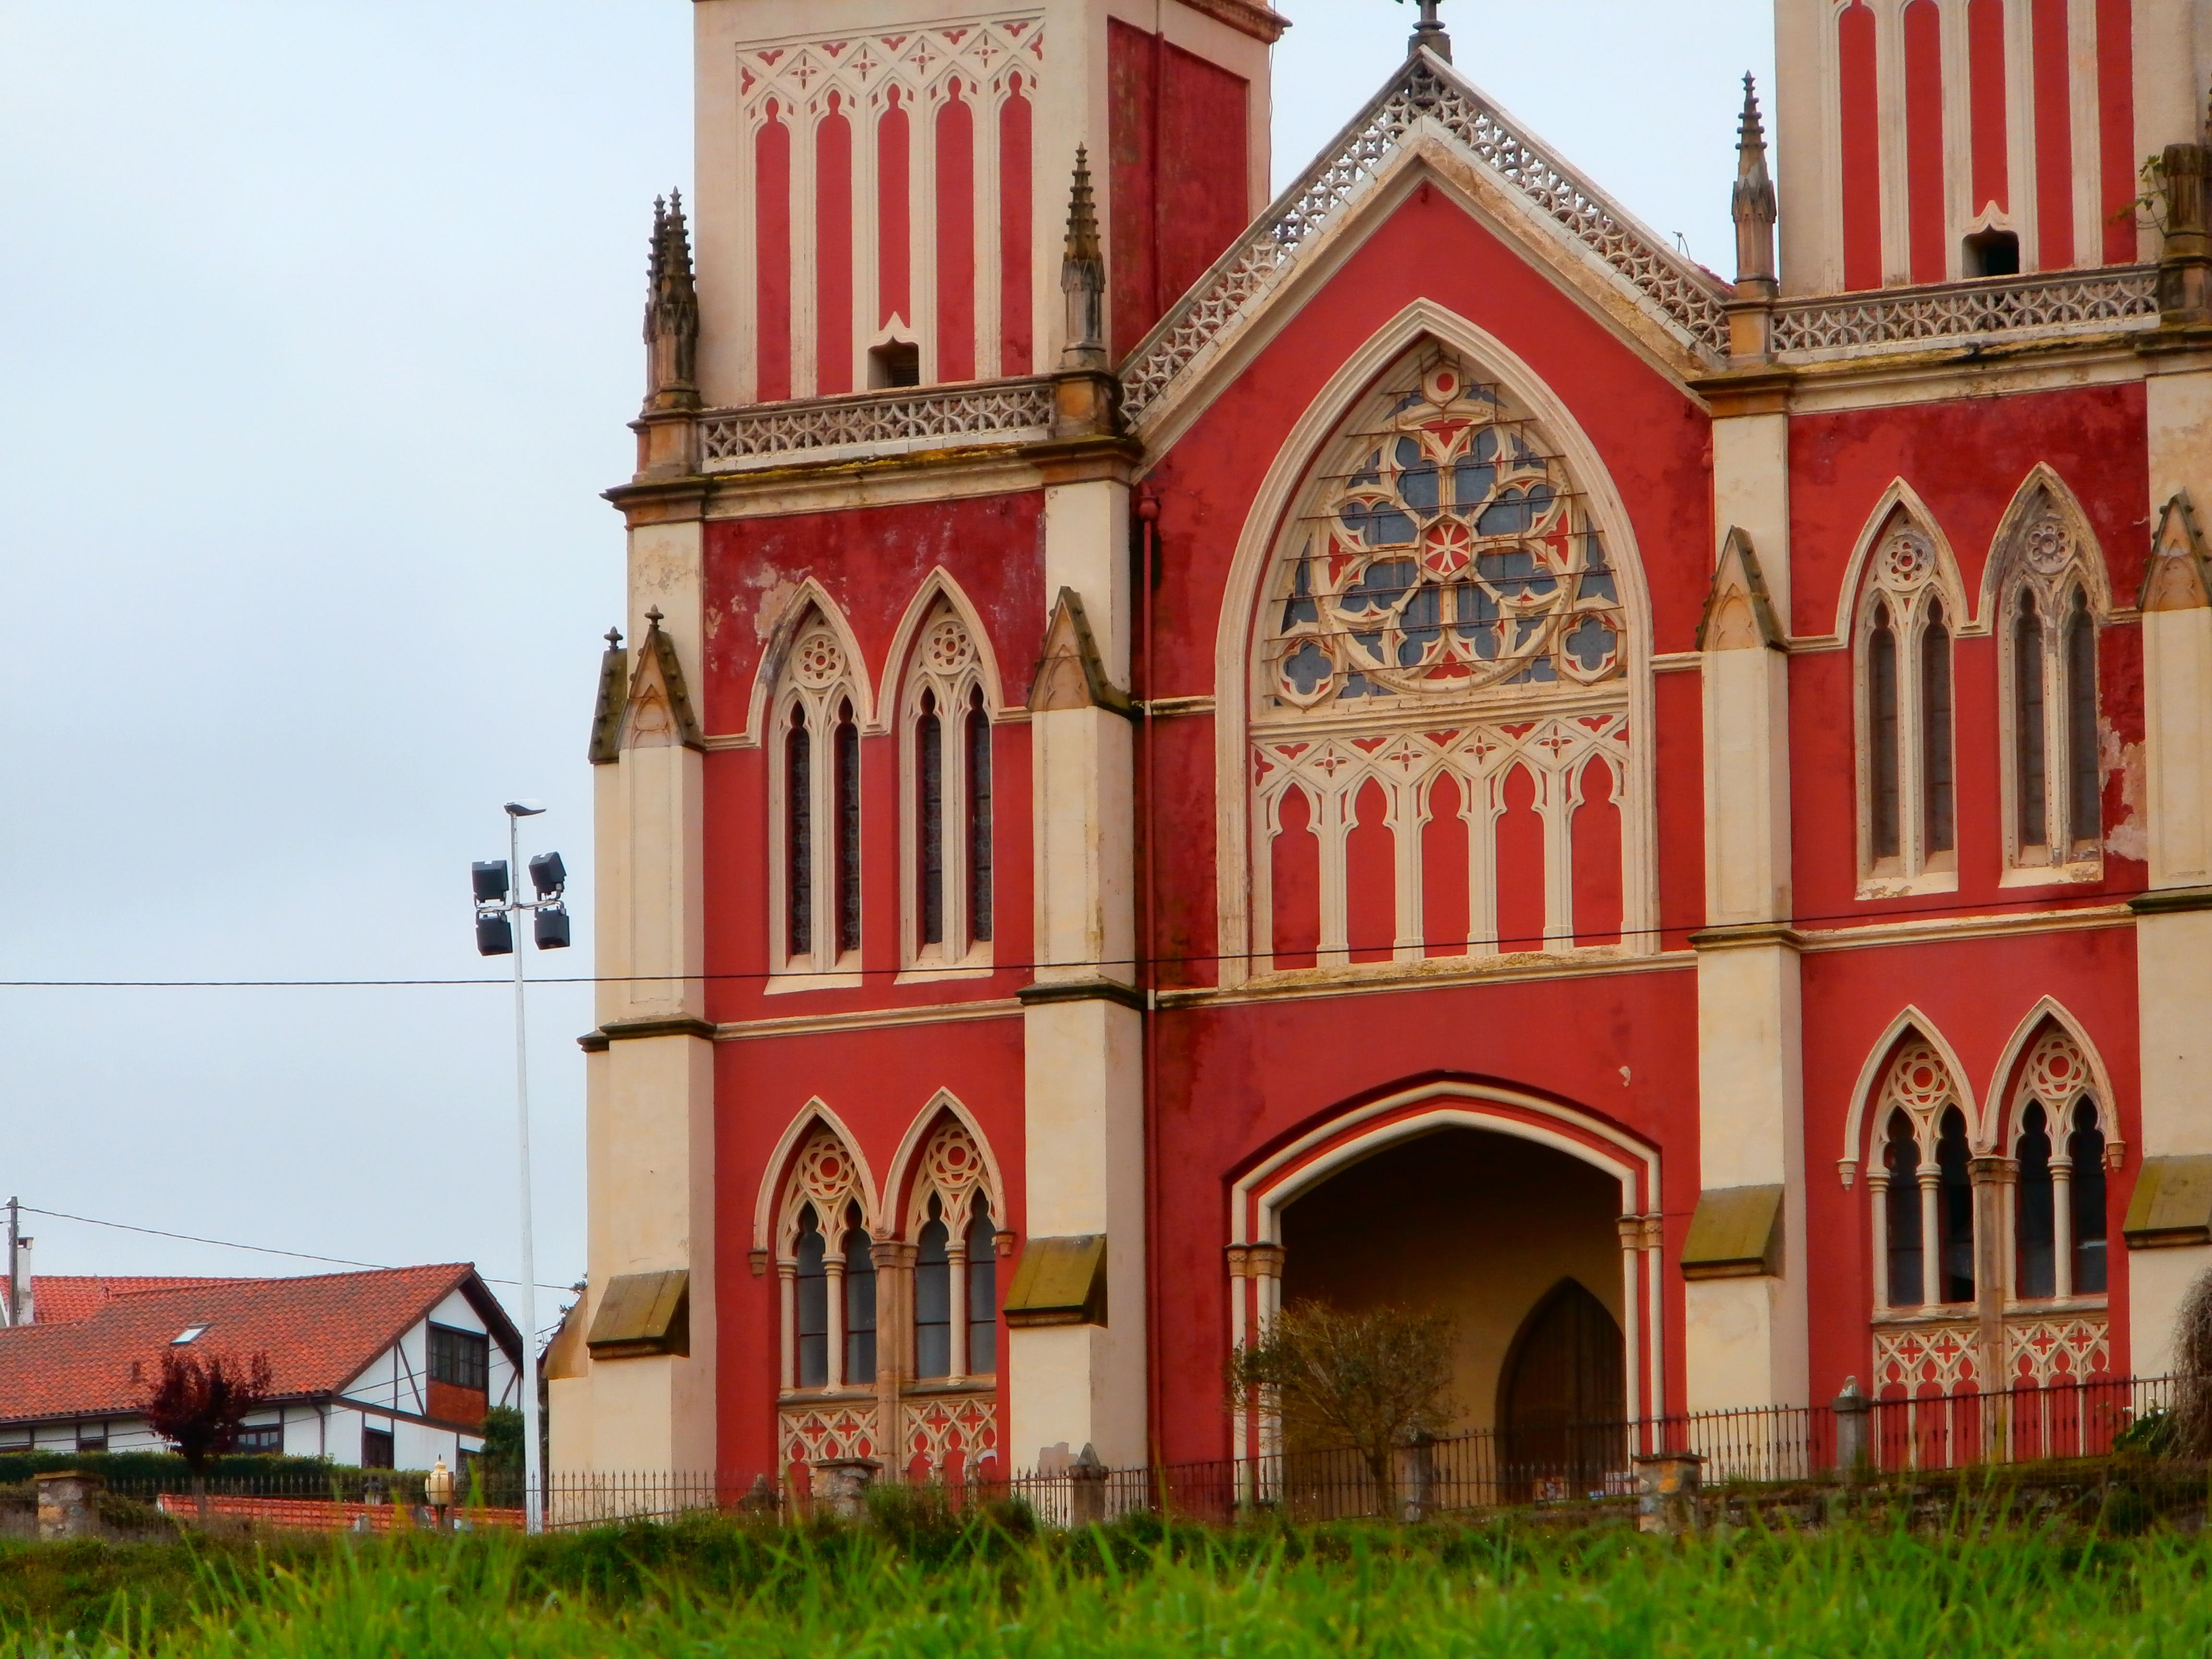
(881, 182)
(1928, 141)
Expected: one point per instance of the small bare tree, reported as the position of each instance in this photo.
(1375, 1380)
(198, 1406)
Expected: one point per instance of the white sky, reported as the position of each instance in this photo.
(318, 336)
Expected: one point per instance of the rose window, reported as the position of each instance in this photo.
(1448, 551)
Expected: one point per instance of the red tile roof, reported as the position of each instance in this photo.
(318, 1334)
(64, 1300)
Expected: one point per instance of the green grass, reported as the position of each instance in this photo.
(922, 1587)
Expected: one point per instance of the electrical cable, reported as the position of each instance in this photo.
(1997, 908)
(259, 1249)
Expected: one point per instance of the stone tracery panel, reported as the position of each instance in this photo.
(1441, 606)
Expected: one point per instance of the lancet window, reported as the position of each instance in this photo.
(955, 1291)
(948, 866)
(815, 809)
(2059, 1152)
(1923, 1186)
(1908, 608)
(827, 1268)
(1441, 745)
(2047, 622)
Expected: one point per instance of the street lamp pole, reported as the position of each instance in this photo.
(533, 1473)
(499, 905)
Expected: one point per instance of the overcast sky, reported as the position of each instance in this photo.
(318, 335)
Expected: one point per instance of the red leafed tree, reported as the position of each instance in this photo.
(198, 1407)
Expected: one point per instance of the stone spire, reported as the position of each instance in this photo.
(1430, 32)
(1752, 202)
(671, 312)
(1083, 276)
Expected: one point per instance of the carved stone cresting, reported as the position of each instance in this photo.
(2070, 302)
(1687, 299)
(876, 423)
(951, 1438)
(1921, 1359)
(817, 1434)
(863, 68)
(2039, 1352)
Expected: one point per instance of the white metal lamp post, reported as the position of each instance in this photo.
(499, 900)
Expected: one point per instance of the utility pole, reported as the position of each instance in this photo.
(15, 1227)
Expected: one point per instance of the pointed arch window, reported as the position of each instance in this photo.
(1923, 1186)
(1907, 835)
(811, 1311)
(822, 1345)
(859, 1288)
(947, 759)
(2059, 1150)
(816, 805)
(2049, 610)
(982, 1310)
(1442, 604)
(955, 1291)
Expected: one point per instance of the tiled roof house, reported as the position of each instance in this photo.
(393, 1367)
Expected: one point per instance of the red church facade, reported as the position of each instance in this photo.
(1465, 761)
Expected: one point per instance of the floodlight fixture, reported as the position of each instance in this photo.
(495, 933)
(489, 878)
(550, 928)
(524, 809)
(548, 874)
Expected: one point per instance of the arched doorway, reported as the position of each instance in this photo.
(1482, 1227)
(1563, 1397)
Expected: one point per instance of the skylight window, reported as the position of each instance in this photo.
(190, 1334)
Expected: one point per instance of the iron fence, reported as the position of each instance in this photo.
(1487, 1470)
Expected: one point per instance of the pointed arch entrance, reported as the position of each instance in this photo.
(1564, 1393)
(1471, 1200)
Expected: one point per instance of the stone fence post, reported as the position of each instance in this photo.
(1086, 1488)
(1853, 1447)
(68, 1503)
(841, 1483)
(1668, 1488)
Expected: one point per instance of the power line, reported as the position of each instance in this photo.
(259, 1249)
(2064, 906)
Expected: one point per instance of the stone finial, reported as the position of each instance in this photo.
(1751, 202)
(1082, 274)
(671, 312)
(1429, 32)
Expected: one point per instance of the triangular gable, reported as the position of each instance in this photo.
(1070, 673)
(1678, 306)
(657, 710)
(1739, 615)
(2178, 577)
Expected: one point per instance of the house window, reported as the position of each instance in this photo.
(16, 1438)
(462, 1358)
(260, 1439)
(1907, 832)
(948, 759)
(2049, 569)
(92, 1436)
(816, 806)
(376, 1449)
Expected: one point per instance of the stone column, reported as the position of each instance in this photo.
(1084, 1380)
(68, 1503)
(1746, 1331)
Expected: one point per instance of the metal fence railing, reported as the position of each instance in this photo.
(1851, 1437)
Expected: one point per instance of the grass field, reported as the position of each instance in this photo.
(925, 1588)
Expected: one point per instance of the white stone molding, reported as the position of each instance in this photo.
(1246, 817)
(1899, 499)
(867, 424)
(775, 1210)
(910, 1169)
(1684, 298)
(2053, 1028)
(1874, 1073)
(791, 618)
(984, 51)
(944, 658)
(1905, 571)
(2045, 550)
(941, 586)
(2019, 308)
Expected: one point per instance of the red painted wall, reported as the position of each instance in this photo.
(956, 238)
(832, 252)
(1176, 174)
(1861, 148)
(772, 294)
(1923, 138)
